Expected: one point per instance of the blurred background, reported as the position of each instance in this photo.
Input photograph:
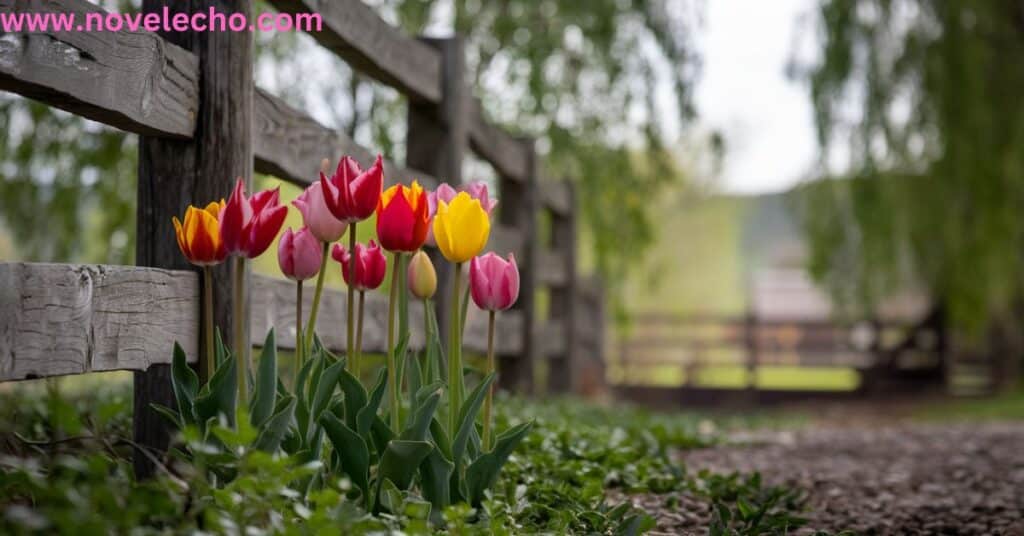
(810, 196)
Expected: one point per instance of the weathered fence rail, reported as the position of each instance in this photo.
(191, 97)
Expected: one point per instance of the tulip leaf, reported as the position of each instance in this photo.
(266, 382)
(275, 428)
(467, 418)
(415, 381)
(169, 414)
(440, 438)
(400, 460)
(482, 473)
(324, 389)
(435, 350)
(380, 434)
(302, 404)
(400, 352)
(185, 384)
(435, 481)
(221, 351)
(355, 397)
(417, 429)
(391, 497)
(355, 456)
(217, 397)
(366, 415)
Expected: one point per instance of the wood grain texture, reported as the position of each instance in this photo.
(134, 81)
(290, 145)
(355, 32)
(273, 304)
(496, 146)
(62, 319)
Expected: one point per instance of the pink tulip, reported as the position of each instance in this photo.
(493, 281)
(317, 216)
(248, 225)
(351, 193)
(299, 254)
(370, 265)
(476, 189)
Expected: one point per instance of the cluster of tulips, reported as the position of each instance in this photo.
(455, 460)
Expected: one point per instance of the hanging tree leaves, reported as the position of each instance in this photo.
(925, 95)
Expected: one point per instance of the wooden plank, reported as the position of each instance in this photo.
(174, 174)
(62, 319)
(505, 239)
(493, 144)
(134, 81)
(556, 196)
(290, 145)
(273, 303)
(355, 32)
(552, 268)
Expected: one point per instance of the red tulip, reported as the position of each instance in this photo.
(370, 265)
(248, 225)
(493, 281)
(403, 218)
(299, 254)
(351, 193)
(317, 216)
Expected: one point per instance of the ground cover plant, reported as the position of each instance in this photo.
(67, 467)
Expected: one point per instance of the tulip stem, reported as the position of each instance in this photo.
(311, 326)
(454, 356)
(350, 342)
(298, 332)
(427, 367)
(359, 336)
(490, 390)
(210, 358)
(396, 268)
(238, 322)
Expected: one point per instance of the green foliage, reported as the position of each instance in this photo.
(742, 505)
(937, 152)
(556, 481)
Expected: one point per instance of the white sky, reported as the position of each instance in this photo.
(744, 93)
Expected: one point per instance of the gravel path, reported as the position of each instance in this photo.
(905, 479)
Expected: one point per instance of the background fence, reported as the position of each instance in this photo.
(202, 122)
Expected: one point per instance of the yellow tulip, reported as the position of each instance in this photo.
(461, 228)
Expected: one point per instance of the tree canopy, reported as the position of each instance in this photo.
(924, 97)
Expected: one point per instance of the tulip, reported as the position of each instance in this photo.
(199, 236)
(422, 276)
(322, 223)
(403, 218)
(199, 240)
(461, 228)
(444, 192)
(299, 254)
(300, 257)
(249, 224)
(363, 271)
(351, 193)
(494, 284)
(370, 265)
(317, 217)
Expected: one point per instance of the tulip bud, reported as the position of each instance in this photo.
(422, 276)
(493, 282)
(299, 254)
(317, 216)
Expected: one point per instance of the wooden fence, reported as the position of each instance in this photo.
(880, 352)
(202, 122)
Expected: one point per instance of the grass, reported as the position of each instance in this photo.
(1002, 406)
(788, 378)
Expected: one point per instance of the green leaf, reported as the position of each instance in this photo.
(415, 381)
(266, 382)
(355, 397)
(401, 349)
(217, 397)
(220, 350)
(169, 414)
(435, 481)
(435, 351)
(324, 389)
(185, 384)
(482, 473)
(440, 438)
(275, 428)
(417, 430)
(400, 460)
(366, 415)
(391, 497)
(380, 433)
(467, 418)
(355, 456)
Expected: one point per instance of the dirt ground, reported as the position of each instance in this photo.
(872, 473)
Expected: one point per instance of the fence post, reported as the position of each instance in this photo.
(436, 143)
(753, 350)
(174, 174)
(518, 209)
(563, 370)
